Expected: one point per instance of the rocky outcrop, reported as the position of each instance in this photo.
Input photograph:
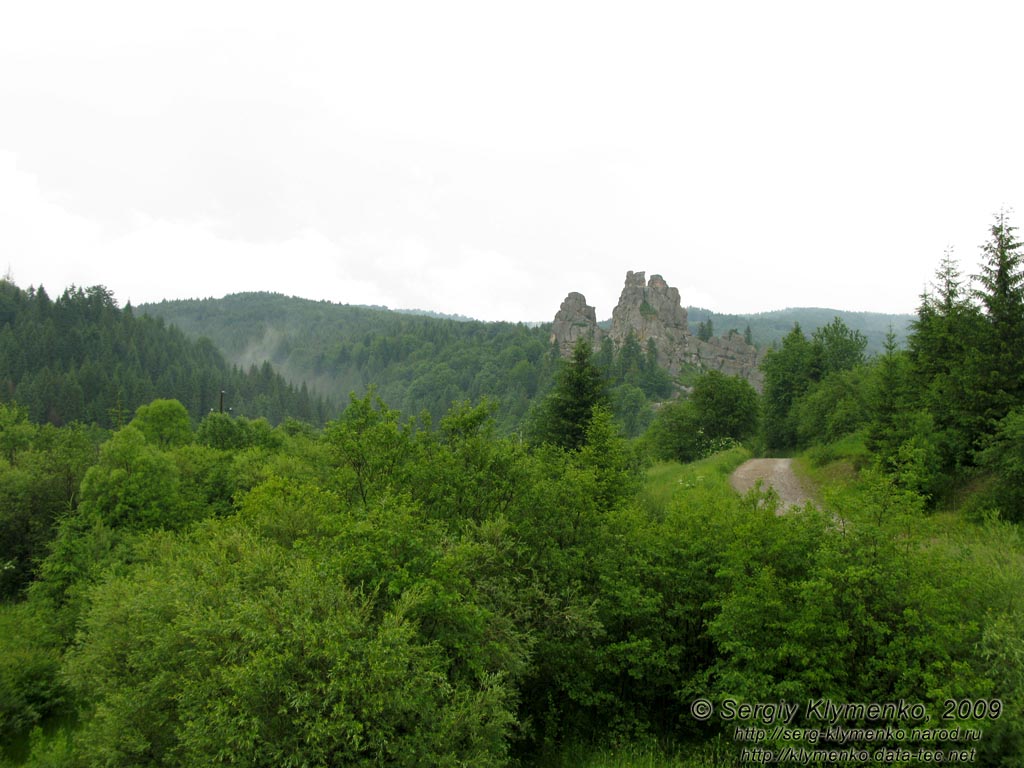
(575, 320)
(652, 310)
(731, 355)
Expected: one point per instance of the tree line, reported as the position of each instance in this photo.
(81, 358)
(943, 412)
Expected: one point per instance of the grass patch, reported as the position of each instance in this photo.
(850, 449)
(667, 479)
(834, 465)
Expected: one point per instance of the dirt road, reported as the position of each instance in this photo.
(777, 473)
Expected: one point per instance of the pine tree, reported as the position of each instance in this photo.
(888, 399)
(566, 412)
(945, 363)
(1001, 292)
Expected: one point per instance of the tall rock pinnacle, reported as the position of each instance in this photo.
(652, 310)
(575, 320)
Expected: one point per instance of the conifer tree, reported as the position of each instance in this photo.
(788, 373)
(565, 414)
(944, 357)
(1001, 292)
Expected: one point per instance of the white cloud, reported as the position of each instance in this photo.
(40, 241)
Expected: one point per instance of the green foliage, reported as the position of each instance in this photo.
(767, 329)
(608, 456)
(788, 373)
(223, 646)
(1001, 292)
(206, 486)
(388, 590)
(727, 406)
(369, 445)
(563, 416)
(414, 363)
(947, 365)
(1005, 456)
(16, 431)
(227, 432)
(30, 686)
(676, 433)
(833, 407)
(849, 603)
(36, 488)
(133, 485)
(837, 348)
(631, 407)
(802, 378)
(433, 591)
(720, 409)
(165, 423)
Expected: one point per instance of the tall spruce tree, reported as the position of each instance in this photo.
(944, 347)
(566, 412)
(1001, 292)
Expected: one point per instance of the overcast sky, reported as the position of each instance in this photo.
(486, 159)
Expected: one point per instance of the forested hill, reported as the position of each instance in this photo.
(80, 357)
(769, 328)
(416, 363)
(425, 363)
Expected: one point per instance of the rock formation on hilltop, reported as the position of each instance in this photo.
(652, 310)
(575, 320)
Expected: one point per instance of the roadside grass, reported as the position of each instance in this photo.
(666, 480)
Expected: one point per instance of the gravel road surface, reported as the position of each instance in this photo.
(777, 473)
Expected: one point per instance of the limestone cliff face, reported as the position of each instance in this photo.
(652, 310)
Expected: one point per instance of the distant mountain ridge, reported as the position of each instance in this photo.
(767, 328)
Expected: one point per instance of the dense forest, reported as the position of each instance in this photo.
(767, 329)
(414, 362)
(81, 358)
(426, 363)
(187, 588)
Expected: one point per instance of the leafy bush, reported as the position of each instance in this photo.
(30, 686)
(224, 645)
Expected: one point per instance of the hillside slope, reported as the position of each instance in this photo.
(418, 362)
(415, 362)
(767, 328)
(82, 358)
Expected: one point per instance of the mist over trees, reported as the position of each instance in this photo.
(80, 357)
